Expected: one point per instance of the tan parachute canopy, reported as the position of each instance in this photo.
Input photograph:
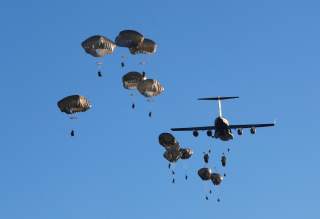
(167, 140)
(98, 46)
(150, 88)
(132, 79)
(175, 147)
(216, 179)
(205, 173)
(129, 38)
(74, 104)
(172, 155)
(146, 47)
(186, 153)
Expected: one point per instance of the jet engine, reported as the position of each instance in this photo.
(195, 133)
(209, 133)
(253, 130)
(240, 131)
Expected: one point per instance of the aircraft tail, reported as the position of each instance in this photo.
(219, 101)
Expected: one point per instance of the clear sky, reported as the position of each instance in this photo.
(267, 52)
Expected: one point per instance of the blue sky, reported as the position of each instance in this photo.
(267, 52)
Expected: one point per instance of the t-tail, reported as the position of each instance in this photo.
(219, 101)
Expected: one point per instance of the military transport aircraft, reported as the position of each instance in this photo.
(222, 128)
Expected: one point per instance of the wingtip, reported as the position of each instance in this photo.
(274, 122)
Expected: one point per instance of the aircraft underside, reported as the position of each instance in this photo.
(224, 135)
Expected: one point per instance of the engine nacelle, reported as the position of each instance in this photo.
(195, 133)
(209, 133)
(240, 131)
(253, 130)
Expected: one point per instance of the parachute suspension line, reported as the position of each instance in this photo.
(206, 190)
(143, 63)
(99, 67)
(218, 198)
(72, 132)
(73, 115)
(133, 105)
(150, 100)
(220, 109)
(214, 169)
(122, 61)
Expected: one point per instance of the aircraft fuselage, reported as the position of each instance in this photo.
(221, 129)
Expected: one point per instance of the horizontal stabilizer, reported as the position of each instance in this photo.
(217, 98)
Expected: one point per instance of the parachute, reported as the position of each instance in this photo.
(172, 155)
(132, 79)
(216, 179)
(150, 88)
(136, 43)
(146, 47)
(205, 173)
(167, 140)
(186, 153)
(99, 65)
(74, 104)
(129, 39)
(98, 46)
(173, 151)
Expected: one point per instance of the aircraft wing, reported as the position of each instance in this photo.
(251, 126)
(199, 128)
(204, 128)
